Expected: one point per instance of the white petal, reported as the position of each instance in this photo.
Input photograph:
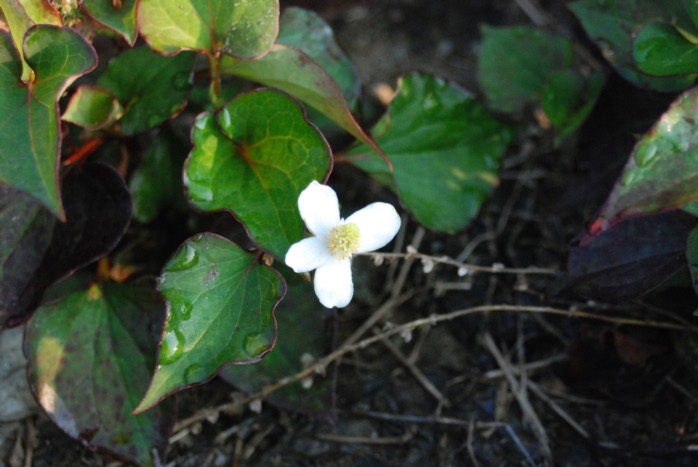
(319, 208)
(333, 284)
(378, 223)
(308, 254)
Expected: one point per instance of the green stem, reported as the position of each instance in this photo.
(215, 93)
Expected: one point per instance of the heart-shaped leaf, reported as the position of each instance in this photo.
(661, 50)
(90, 355)
(613, 25)
(242, 28)
(254, 158)
(630, 259)
(515, 63)
(29, 122)
(98, 210)
(92, 108)
(221, 303)
(292, 70)
(662, 172)
(445, 148)
(151, 88)
(21, 15)
(302, 340)
(119, 16)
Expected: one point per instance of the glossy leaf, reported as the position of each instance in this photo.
(630, 259)
(221, 303)
(29, 121)
(568, 98)
(157, 182)
(515, 63)
(98, 210)
(119, 16)
(254, 158)
(445, 148)
(242, 28)
(90, 355)
(613, 25)
(292, 70)
(310, 33)
(150, 87)
(661, 50)
(302, 340)
(662, 172)
(92, 108)
(23, 14)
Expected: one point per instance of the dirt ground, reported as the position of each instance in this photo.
(497, 387)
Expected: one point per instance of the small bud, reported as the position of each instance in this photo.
(462, 271)
(256, 406)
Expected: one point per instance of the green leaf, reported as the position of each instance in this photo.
(98, 211)
(661, 50)
(445, 148)
(242, 28)
(221, 303)
(92, 108)
(156, 183)
(568, 98)
(613, 25)
(29, 122)
(120, 19)
(310, 33)
(23, 14)
(302, 340)
(254, 158)
(292, 70)
(90, 356)
(151, 88)
(662, 172)
(515, 63)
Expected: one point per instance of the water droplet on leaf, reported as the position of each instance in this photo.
(172, 346)
(186, 258)
(195, 373)
(256, 344)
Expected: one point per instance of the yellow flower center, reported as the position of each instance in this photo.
(343, 240)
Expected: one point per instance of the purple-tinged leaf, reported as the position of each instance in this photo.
(119, 16)
(98, 210)
(220, 311)
(29, 120)
(90, 355)
(631, 258)
(662, 172)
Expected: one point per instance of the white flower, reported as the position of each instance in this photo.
(334, 240)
